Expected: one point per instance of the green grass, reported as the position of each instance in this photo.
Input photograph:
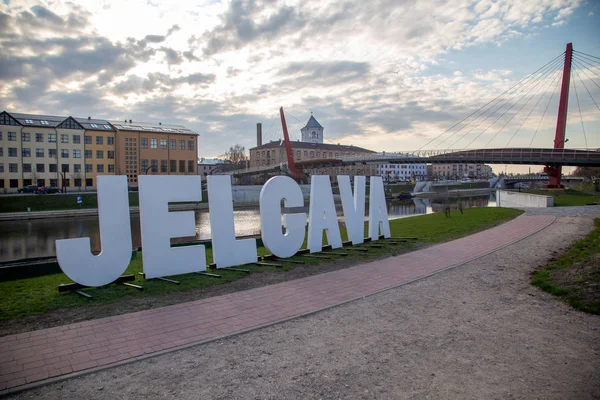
(564, 197)
(575, 275)
(67, 201)
(39, 295)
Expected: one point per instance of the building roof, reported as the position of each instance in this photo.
(44, 121)
(150, 127)
(94, 124)
(317, 146)
(313, 123)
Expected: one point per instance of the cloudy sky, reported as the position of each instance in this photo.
(383, 74)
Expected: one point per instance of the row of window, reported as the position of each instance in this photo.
(77, 182)
(64, 138)
(172, 166)
(28, 168)
(307, 153)
(64, 153)
(163, 144)
(398, 166)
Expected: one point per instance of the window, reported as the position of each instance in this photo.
(0, 135)
(144, 165)
(64, 138)
(77, 181)
(39, 137)
(298, 153)
(12, 136)
(64, 167)
(88, 139)
(99, 140)
(172, 144)
(89, 168)
(14, 183)
(64, 153)
(39, 167)
(89, 182)
(153, 143)
(163, 144)
(44, 122)
(94, 125)
(52, 138)
(305, 153)
(76, 153)
(144, 143)
(26, 137)
(77, 139)
(29, 121)
(100, 168)
(190, 165)
(163, 165)
(87, 153)
(51, 153)
(66, 182)
(173, 166)
(181, 165)
(154, 164)
(12, 152)
(99, 153)
(111, 154)
(77, 168)
(190, 145)
(312, 154)
(1, 151)
(26, 152)
(182, 145)
(13, 167)
(39, 152)
(26, 167)
(52, 168)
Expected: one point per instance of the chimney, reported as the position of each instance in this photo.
(89, 118)
(259, 134)
(129, 121)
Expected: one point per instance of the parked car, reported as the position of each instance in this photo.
(28, 189)
(52, 189)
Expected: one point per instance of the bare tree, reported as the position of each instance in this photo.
(591, 173)
(34, 178)
(76, 176)
(236, 154)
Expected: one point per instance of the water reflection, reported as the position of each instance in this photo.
(36, 238)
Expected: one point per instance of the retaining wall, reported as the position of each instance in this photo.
(519, 199)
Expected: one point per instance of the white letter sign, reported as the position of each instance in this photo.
(276, 189)
(378, 216)
(74, 255)
(322, 215)
(354, 211)
(227, 251)
(158, 225)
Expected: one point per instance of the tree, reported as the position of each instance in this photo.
(236, 154)
(591, 173)
(76, 176)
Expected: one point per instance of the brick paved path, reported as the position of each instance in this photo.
(34, 356)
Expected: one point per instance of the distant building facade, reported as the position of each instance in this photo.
(312, 154)
(71, 152)
(460, 171)
(402, 172)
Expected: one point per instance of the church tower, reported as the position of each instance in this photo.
(312, 132)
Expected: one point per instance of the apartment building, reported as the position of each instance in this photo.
(460, 171)
(71, 152)
(158, 149)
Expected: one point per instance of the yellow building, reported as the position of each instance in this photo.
(99, 149)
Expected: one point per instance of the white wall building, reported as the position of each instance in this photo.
(402, 172)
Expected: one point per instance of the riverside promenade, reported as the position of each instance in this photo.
(32, 358)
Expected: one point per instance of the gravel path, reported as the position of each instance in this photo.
(476, 331)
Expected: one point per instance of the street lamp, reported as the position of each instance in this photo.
(146, 172)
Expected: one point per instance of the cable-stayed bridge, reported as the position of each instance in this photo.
(514, 116)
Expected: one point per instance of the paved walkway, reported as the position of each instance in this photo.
(34, 356)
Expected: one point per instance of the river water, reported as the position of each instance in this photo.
(36, 238)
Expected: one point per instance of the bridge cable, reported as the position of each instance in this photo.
(587, 68)
(485, 105)
(585, 54)
(580, 115)
(556, 63)
(589, 65)
(531, 111)
(527, 85)
(544, 114)
(588, 91)
(504, 113)
(520, 109)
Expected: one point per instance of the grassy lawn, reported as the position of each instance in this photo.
(575, 275)
(67, 201)
(39, 295)
(564, 197)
